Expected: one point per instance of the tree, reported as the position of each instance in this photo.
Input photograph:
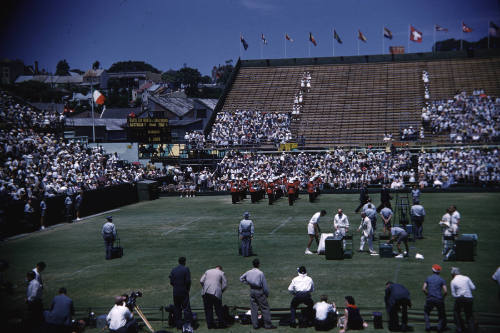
(171, 76)
(132, 66)
(96, 65)
(62, 68)
(190, 76)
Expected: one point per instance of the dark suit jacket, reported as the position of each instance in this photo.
(60, 311)
(394, 293)
(385, 195)
(180, 279)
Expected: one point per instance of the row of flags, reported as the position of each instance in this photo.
(415, 34)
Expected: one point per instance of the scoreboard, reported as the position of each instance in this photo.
(148, 130)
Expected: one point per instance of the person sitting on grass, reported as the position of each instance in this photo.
(352, 319)
(326, 314)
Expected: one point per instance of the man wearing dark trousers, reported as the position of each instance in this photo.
(301, 287)
(363, 197)
(109, 235)
(213, 284)
(397, 298)
(385, 198)
(435, 290)
(461, 289)
(180, 280)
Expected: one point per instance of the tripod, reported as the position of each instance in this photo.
(143, 317)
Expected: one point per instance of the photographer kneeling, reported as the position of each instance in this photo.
(120, 319)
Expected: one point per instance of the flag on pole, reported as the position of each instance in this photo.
(440, 28)
(361, 37)
(336, 36)
(264, 40)
(312, 40)
(415, 35)
(244, 42)
(465, 28)
(387, 33)
(288, 38)
(98, 97)
(494, 30)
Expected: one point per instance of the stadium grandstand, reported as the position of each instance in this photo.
(355, 101)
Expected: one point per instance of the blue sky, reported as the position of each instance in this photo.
(202, 33)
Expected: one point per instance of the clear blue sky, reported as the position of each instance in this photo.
(203, 33)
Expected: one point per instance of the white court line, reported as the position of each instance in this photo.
(181, 226)
(98, 214)
(281, 225)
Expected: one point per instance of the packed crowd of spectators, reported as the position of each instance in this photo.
(346, 169)
(195, 139)
(339, 169)
(473, 118)
(250, 127)
(37, 163)
(462, 166)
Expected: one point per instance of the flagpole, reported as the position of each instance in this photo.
(462, 36)
(434, 46)
(333, 43)
(409, 32)
(358, 45)
(488, 32)
(383, 41)
(241, 34)
(92, 104)
(309, 44)
(285, 44)
(261, 49)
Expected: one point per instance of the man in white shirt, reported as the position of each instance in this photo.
(313, 230)
(455, 216)
(326, 314)
(366, 233)
(461, 289)
(341, 222)
(301, 287)
(119, 318)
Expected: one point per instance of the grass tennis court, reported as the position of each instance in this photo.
(204, 230)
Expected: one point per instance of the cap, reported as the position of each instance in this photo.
(455, 271)
(109, 218)
(246, 214)
(302, 270)
(436, 268)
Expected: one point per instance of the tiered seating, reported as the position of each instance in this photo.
(355, 104)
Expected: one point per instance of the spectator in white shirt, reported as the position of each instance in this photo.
(120, 318)
(461, 289)
(326, 314)
(301, 287)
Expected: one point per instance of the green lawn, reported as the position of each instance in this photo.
(203, 229)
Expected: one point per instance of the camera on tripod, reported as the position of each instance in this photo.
(132, 298)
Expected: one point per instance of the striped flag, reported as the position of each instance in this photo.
(336, 36)
(264, 40)
(466, 28)
(387, 33)
(98, 97)
(312, 40)
(288, 38)
(361, 37)
(244, 42)
(440, 28)
(494, 30)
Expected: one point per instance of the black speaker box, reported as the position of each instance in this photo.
(334, 249)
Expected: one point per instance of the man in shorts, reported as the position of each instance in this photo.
(313, 229)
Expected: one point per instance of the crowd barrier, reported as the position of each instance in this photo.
(14, 222)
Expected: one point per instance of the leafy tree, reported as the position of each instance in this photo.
(132, 66)
(96, 65)
(205, 79)
(62, 68)
(190, 76)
